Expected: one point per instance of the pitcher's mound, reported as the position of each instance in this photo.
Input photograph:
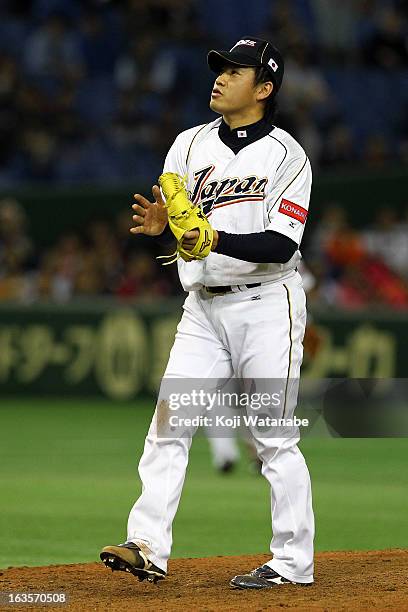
(344, 581)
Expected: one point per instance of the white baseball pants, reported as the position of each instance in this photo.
(255, 333)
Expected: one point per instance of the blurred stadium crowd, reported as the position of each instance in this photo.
(347, 268)
(95, 91)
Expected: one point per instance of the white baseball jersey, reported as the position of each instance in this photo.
(266, 186)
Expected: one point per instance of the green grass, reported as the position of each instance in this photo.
(69, 477)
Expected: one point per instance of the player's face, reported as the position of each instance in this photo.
(234, 91)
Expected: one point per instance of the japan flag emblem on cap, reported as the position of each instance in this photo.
(273, 65)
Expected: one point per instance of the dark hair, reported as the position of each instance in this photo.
(262, 75)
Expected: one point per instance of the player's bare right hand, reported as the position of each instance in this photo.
(151, 217)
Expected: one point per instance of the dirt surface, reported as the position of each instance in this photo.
(344, 581)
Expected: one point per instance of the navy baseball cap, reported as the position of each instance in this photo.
(250, 51)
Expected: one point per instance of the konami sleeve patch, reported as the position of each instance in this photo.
(293, 210)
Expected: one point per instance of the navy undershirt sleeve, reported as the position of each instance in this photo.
(260, 247)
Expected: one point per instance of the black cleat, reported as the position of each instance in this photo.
(129, 558)
(260, 578)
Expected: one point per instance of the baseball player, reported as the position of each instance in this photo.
(245, 312)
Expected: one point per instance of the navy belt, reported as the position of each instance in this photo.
(229, 288)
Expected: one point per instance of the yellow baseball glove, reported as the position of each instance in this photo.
(183, 217)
